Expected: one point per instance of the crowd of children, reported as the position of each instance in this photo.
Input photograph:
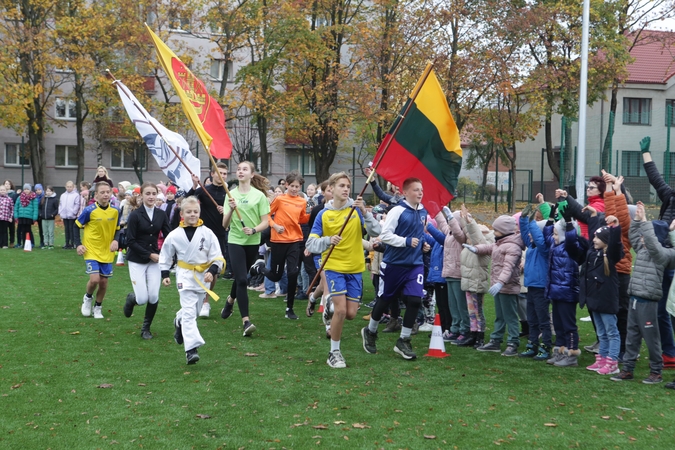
(605, 257)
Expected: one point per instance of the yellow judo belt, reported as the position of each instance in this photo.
(201, 268)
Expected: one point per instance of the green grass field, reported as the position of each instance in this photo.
(274, 390)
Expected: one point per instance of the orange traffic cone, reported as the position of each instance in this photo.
(120, 258)
(437, 346)
(27, 245)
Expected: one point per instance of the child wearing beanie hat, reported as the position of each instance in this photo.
(599, 286)
(506, 254)
(26, 212)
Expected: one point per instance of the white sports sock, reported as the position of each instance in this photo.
(405, 332)
(372, 325)
(334, 345)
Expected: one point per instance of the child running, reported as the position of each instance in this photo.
(101, 224)
(346, 264)
(288, 211)
(199, 260)
(244, 239)
(402, 267)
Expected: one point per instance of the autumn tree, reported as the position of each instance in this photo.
(27, 63)
(631, 20)
(552, 31)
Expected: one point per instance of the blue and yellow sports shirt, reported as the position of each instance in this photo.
(101, 225)
(347, 257)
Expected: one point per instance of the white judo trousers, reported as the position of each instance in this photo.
(146, 279)
(202, 249)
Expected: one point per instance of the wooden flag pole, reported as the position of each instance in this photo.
(413, 96)
(115, 81)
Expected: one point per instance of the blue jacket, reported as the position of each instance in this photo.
(403, 223)
(536, 255)
(435, 239)
(563, 271)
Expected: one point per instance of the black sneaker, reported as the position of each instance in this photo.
(511, 350)
(257, 267)
(129, 304)
(371, 305)
(404, 348)
(369, 340)
(624, 375)
(670, 385)
(653, 378)
(291, 315)
(249, 328)
(178, 334)
(191, 356)
(227, 310)
(465, 341)
(491, 346)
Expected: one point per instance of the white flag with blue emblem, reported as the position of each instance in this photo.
(167, 160)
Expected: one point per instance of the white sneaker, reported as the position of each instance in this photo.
(426, 327)
(206, 310)
(336, 360)
(86, 306)
(98, 314)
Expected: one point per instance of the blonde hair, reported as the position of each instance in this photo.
(337, 176)
(191, 200)
(104, 170)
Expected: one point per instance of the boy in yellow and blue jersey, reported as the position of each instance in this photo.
(346, 264)
(101, 222)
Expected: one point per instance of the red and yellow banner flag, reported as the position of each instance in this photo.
(426, 145)
(204, 113)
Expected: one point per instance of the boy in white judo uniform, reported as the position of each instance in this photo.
(199, 261)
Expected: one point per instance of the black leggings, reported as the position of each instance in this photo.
(68, 227)
(285, 254)
(243, 257)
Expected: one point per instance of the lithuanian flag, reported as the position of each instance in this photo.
(423, 143)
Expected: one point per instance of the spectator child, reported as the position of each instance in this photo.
(49, 207)
(506, 253)
(69, 207)
(562, 288)
(599, 286)
(6, 216)
(26, 213)
(536, 270)
(475, 273)
(649, 239)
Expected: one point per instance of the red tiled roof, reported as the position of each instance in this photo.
(654, 55)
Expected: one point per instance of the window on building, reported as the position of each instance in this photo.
(179, 24)
(295, 162)
(631, 164)
(637, 111)
(670, 106)
(116, 114)
(13, 156)
(66, 156)
(65, 109)
(218, 69)
(123, 158)
(669, 169)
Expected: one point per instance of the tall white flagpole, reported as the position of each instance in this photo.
(583, 88)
